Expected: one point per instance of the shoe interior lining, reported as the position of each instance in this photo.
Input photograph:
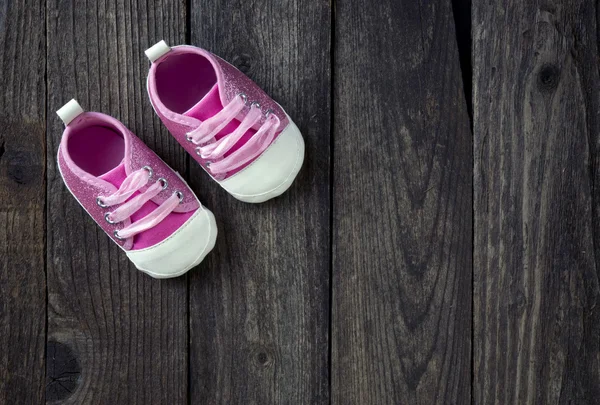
(96, 149)
(183, 80)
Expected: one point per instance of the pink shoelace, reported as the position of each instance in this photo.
(214, 151)
(134, 182)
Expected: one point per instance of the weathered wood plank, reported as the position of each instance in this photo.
(259, 305)
(22, 200)
(126, 334)
(402, 228)
(537, 125)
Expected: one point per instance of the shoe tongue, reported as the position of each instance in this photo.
(208, 106)
(115, 176)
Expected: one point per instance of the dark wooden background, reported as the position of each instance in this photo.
(440, 245)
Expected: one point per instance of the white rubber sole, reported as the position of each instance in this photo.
(290, 148)
(277, 191)
(210, 244)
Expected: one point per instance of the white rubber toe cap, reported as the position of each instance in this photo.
(273, 172)
(181, 251)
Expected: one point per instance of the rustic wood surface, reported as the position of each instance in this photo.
(402, 209)
(536, 104)
(22, 199)
(259, 309)
(413, 261)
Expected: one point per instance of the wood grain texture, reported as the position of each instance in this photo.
(259, 305)
(536, 290)
(402, 228)
(128, 333)
(22, 200)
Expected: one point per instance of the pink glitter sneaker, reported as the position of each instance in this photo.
(139, 201)
(237, 133)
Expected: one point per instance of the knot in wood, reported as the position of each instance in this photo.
(20, 166)
(548, 77)
(263, 358)
(243, 62)
(63, 371)
(263, 355)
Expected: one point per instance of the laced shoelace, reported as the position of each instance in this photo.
(133, 183)
(214, 151)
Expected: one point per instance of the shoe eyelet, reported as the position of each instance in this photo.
(107, 218)
(268, 113)
(198, 152)
(188, 138)
(116, 233)
(244, 97)
(101, 203)
(149, 170)
(163, 182)
(180, 195)
(255, 104)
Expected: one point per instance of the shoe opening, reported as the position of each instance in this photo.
(182, 80)
(96, 148)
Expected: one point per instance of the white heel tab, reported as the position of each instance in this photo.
(157, 50)
(69, 111)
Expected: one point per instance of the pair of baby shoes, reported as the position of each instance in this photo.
(241, 137)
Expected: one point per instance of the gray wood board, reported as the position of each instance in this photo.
(22, 202)
(402, 223)
(260, 303)
(536, 318)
